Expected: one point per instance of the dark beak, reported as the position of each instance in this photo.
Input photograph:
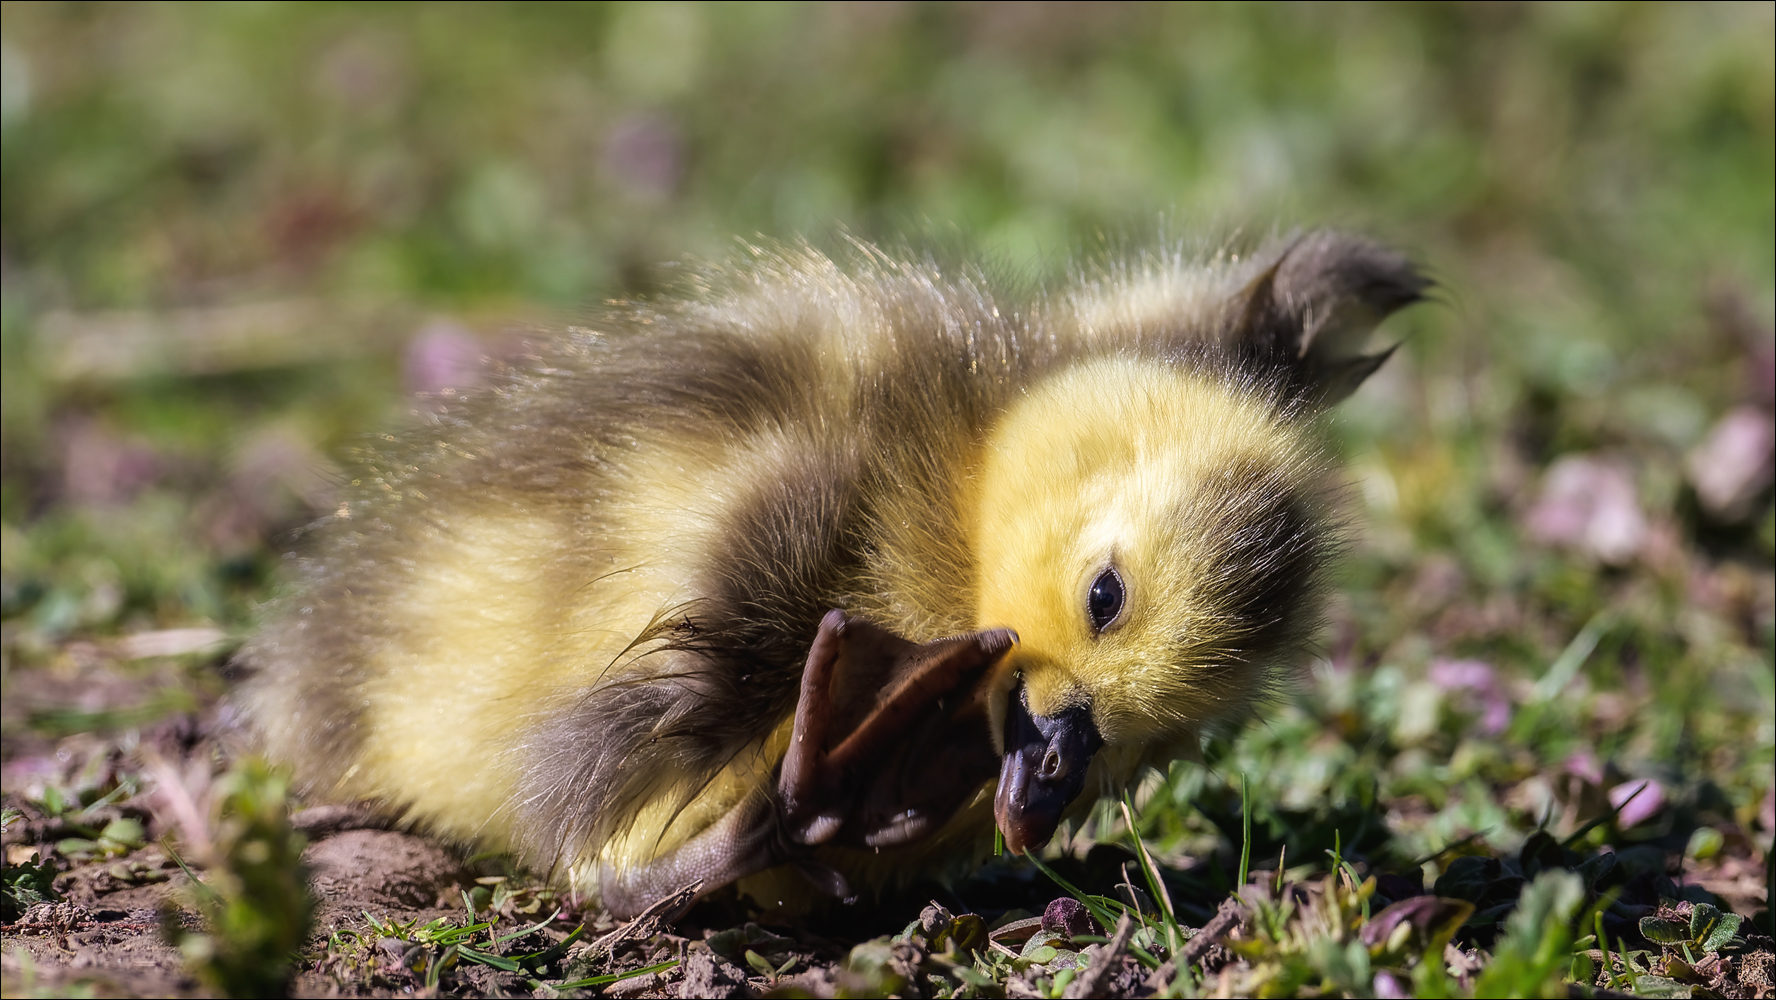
(1043, 771)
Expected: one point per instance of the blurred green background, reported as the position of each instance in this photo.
(238, 236)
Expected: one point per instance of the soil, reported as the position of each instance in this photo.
(121, 906)
(110, 930)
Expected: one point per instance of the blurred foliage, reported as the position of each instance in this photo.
(1534, 955)
(235, 238)
(255, 898)
(26, 883)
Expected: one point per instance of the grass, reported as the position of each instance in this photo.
(428, 951)
(236, 237)
(255, 898)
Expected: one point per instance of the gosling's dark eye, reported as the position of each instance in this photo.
(1105, 601)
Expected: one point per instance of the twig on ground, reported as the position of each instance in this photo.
(648, 922)
(1104, 958)
(1230, 915)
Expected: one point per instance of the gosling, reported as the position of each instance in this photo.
(810, 579)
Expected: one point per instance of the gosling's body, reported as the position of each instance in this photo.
(571, 618)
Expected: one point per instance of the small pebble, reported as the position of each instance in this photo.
(1069, 916)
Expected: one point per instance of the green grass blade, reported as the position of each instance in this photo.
(499, 962)
(580, 984)
(1155, 885)
(1245, 829)
(1101, 913)
(532, 929)
(1566, 665)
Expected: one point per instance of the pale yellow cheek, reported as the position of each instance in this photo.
(1050, 686)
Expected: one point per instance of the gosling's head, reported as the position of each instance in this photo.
(1155, 535)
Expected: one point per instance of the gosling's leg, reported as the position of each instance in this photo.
(744, 842)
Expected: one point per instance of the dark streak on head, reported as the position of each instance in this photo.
(1269, 545)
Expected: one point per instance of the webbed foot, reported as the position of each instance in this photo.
(890, 736)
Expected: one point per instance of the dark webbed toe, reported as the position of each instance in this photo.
(890, 736)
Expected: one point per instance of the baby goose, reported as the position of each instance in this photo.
(770, 584)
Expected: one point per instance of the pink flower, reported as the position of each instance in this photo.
(1584, 764)
(1734, 463)
(444, 355)
(1479, 677)
(1589, 504)
(1637, 801)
